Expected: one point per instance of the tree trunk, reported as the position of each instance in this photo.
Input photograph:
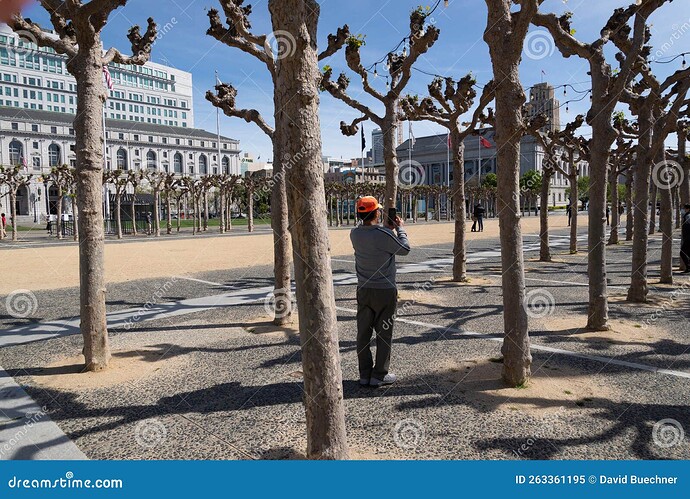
(205, 209)
(250, 209)
(390, 156)
(638, 278)
(156, 212)
(509, 100)
(666, 223)
(652, 216)
(544, 248)
(629, 218)
(574, 209)
(615, 216)
(75, 226)
(168, 209)
(133, 212)
(88, 126)
(13, 211)
(222, 210)
(59, 212)
(297, 87)
(459, 246)
(282, 291)
(179, 213)
(598, 313)
(118, 217)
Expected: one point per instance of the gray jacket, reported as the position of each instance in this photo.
(375, 249)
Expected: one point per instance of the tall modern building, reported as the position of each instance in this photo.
(542, 100)
(377, 147)
(149, 118)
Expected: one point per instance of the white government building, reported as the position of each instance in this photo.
(149, 122)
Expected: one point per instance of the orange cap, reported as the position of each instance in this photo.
(367, 204)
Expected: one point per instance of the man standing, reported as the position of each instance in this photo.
(377, 294)
(149, 223)
(685, 239)
(479, 218)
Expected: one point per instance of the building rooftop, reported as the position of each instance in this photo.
(31, 115)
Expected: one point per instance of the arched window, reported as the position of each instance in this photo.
(226, 165)
(121, 159)
(177, 163)
(53, 155)
(203, 165)
(16, 152)
(151, 161)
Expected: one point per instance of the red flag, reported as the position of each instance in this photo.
(485, 143)
(449, 142)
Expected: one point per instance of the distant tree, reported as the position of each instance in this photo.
(448, 102)
(14, 178)
(420, 39)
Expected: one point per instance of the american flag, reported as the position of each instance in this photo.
(108, 78)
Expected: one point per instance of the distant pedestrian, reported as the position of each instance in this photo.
(569, 212)
(685, 240)
(375, 248)
(149, 223)
(3, 228)
(478, 217)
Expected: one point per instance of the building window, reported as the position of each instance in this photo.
(36, 160)
(34, 128)
(53, 155)
(53, 130)
(203, 165)
(150, 138)
(177, 163)
(35, 146)
(121, 136)
(136, 138)
(226, 165)
(16, 153)
(15, 126)
(151, 160)
(121, 159)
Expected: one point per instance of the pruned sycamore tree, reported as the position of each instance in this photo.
(62, 178)
(236, 33)
(622, 159)
(135, 177)
(421, 38)
(505, 35)
(14, 178)
(657, 106)
(78, 25)
(297, 86)
(448, 101)
(607, 87)
(554, 142)
(119, 180)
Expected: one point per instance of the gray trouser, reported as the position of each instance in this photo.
(375, 312)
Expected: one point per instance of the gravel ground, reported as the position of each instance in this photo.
(223, 392)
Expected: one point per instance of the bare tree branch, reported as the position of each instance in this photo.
(224, 99)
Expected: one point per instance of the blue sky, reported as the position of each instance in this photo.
(460, 49)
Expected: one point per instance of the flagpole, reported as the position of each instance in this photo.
(218, 130)
(479, 171)
(106, 205)
(448, 159)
